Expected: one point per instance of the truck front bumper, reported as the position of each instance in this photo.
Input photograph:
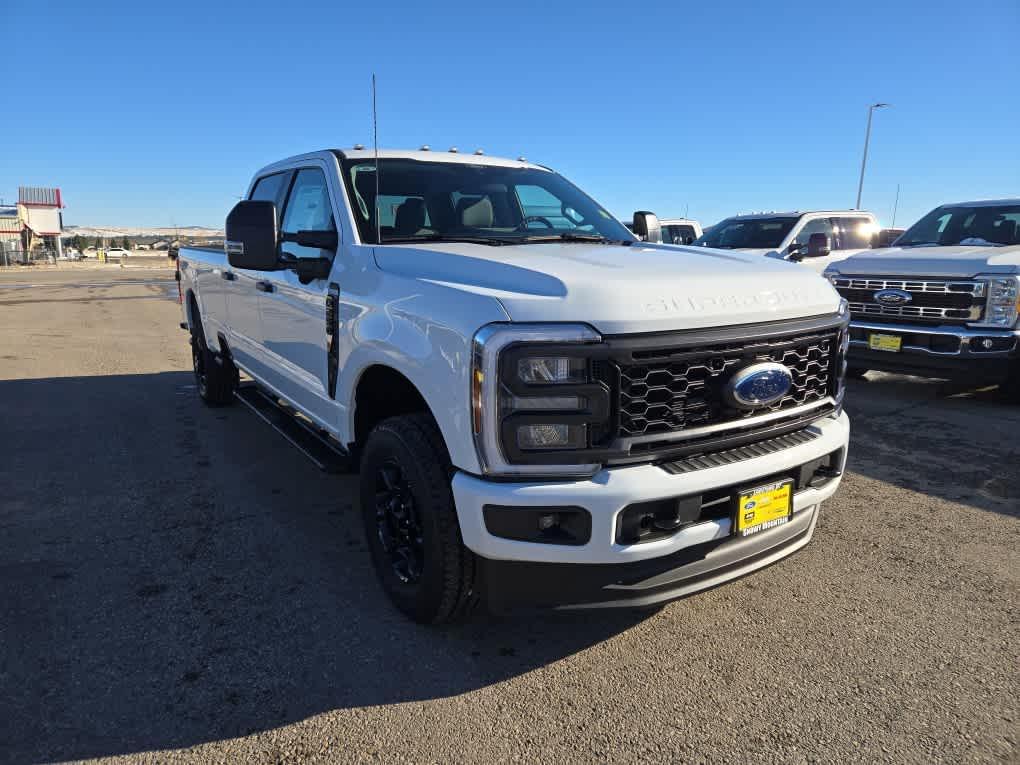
(605, 572)
(945, 351)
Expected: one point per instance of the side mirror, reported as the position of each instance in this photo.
(252, 236)
(818, 245)
(323, 240)
(646, 226)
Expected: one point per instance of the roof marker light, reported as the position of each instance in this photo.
(425, 147)
(479, 152)
(359, 146)
(454, 150)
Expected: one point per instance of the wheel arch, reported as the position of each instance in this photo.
(382, 390)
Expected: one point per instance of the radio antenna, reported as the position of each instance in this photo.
(375, 140)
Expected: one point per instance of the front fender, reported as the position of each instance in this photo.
(426, 336)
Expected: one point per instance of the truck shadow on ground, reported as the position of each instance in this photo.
(946, 440)
(172, 575)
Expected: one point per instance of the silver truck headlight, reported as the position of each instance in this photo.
(1002, 305)
(535, 403)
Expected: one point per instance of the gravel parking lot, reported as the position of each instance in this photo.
(178, 583)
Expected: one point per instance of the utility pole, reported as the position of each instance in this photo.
(864, 159)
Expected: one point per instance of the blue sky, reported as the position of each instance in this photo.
(153, 114)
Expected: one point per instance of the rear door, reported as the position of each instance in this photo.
(293, 311)
(242, 290)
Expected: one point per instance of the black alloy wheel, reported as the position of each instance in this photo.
(398, 523)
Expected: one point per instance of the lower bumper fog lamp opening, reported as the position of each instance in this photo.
(545, 525)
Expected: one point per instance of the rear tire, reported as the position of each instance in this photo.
(411, 523)
(215, 374)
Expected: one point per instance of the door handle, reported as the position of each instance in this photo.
(228, 275)
(264, 286)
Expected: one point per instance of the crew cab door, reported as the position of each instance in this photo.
(243, 289)
(294, 327)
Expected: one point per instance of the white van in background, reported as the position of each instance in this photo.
(816, 239)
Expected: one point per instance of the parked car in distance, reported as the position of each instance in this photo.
(944, 301)
(679, 230)
(117, 252)
(815, 239)
(543, 409)
(675, 230)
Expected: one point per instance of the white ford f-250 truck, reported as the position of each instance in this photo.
(944, 300)
(543, 409)
(815, 239)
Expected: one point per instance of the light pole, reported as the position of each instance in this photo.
(864, 159)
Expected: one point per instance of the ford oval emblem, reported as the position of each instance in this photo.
(893, 297)
(758, 385)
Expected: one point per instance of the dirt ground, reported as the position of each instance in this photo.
(178, 583)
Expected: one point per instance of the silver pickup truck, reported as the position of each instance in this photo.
(944, 300)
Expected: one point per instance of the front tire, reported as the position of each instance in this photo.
(856, 373)
(411, 523)
(1010, 387)
(215, 375)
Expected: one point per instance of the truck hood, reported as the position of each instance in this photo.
(954, 261)
(619, 289)
(756, 251)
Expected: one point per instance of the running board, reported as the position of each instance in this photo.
(326, 453)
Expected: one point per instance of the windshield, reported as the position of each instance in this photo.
(977, 225)
(423, 201)
(751, 233)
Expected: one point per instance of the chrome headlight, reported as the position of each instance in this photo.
(536, 407)
(1002, 305)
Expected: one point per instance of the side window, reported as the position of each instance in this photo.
(308, 209)
(271, 188)
(853, 233)
(816, 226)
(669, 235)
(683, 234)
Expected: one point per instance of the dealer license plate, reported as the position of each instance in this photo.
(763, 508)
(885, 342)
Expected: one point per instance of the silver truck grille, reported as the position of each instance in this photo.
(931, 299)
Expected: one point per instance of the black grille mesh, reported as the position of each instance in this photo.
(672, 389)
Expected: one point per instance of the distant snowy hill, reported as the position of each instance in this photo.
(192, 232)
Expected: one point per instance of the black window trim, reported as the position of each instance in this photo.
(289, 184)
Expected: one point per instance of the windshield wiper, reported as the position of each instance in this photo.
(919, 244)
(492, 241)
(565, 237)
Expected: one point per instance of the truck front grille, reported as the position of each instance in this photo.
(665, 390)
(931, 299)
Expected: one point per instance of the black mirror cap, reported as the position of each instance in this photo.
(252, 236)
(324, 240)
(646, 226)
(818, 245)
